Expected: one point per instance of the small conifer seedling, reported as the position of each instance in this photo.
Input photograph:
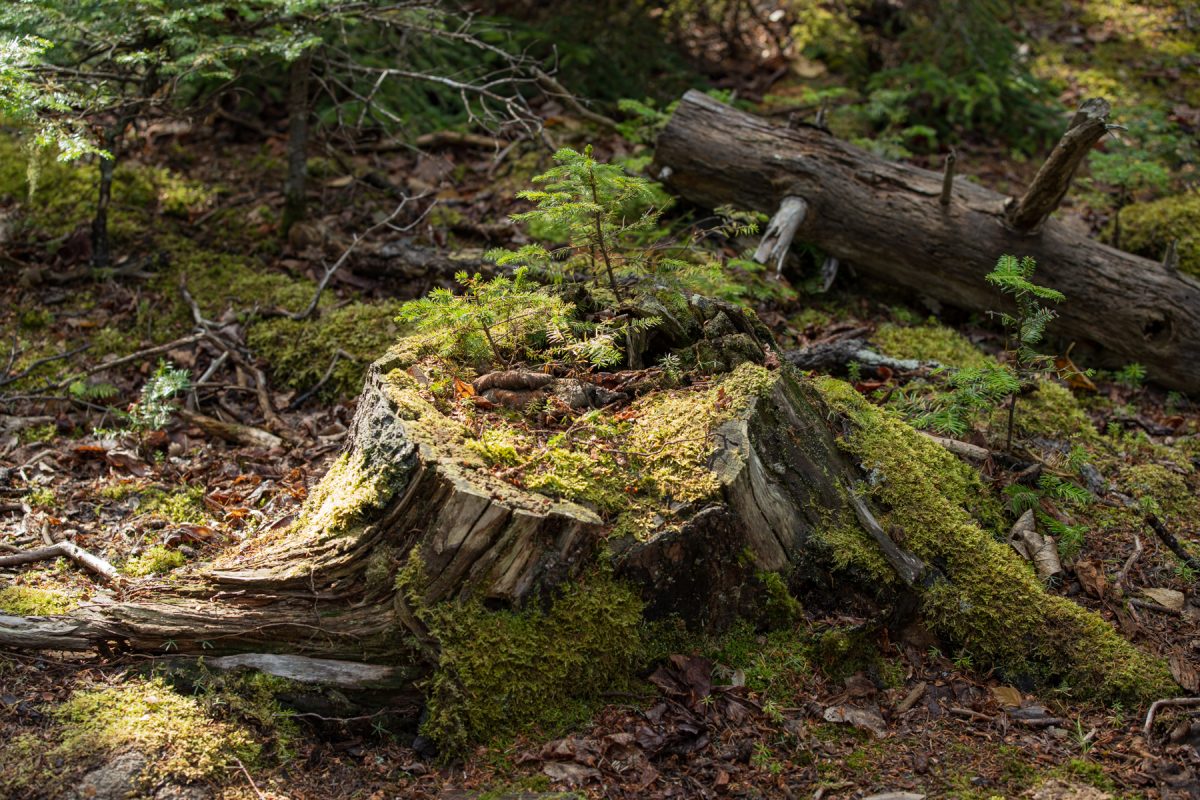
(1027, 327)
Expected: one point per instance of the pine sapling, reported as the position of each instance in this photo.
(1027, 327)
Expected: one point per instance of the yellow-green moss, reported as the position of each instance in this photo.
(1147, 229)
(64, 197)
(1050, 412)
(42, 497)
(299, 353)
(500, 672)
(636, 467)
(348, 490)
(992, 604)
(184, 506)
(930, 342)
(157, 560)
(32, 601)
(179, 740)
(1160, 491)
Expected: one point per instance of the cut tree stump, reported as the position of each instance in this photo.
(887, 221)
(410, 519)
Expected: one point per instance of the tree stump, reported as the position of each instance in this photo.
(414, 549)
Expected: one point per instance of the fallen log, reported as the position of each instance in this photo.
(888, 222)
(417, 554)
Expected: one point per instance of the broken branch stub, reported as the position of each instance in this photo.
(1053, 179)
(780, 232)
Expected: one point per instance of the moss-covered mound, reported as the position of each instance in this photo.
(929, 342)
(1148, 228)
(173, 735)
(992, 604)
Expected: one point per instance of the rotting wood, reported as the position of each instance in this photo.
(883, 219)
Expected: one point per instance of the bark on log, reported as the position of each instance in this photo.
(886, 221)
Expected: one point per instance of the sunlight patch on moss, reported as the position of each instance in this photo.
(156, 560)
(33, 601)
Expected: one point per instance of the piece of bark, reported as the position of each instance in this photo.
(885, 220)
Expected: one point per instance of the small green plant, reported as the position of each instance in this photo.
(1131, 376)
(599, 207)
(1027, 327)
(970, 390)
(153, 409)
(493, 320)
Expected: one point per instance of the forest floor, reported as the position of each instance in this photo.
(747, 715)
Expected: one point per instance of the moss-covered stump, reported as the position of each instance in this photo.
(511, 575)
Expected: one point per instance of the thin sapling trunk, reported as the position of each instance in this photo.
(298, 113)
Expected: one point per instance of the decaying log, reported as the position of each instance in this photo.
(886, 221)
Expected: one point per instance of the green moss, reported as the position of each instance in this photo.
(179, 739)
(184, 506)
(504, 671)
(779, 609)
(930, 342)
(31, 601)
(42, 497)
(157, 560)
(1050, 412)
(991, 605)
(64, 195)
(1148, 228)
(299, 353)
(344, 496)
(635, 470)
(1160, 491)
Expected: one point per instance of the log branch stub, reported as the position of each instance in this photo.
(1053, 179)
(948, 177)
(780, 232)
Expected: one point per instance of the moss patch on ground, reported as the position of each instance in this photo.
(180, 741)
(299, 353)
(930, 342)
(1148, 228)
(992, 604)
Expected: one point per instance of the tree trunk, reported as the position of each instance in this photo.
(886, 220)
(101, 248)
(298, 114)
(807, 488)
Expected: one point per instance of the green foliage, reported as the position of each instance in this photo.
(969, 391)
(153, 409)
(600, 207)
(1149, 228)
(1131, 376)
(496, 320)
(1027, 327)
(960, 70)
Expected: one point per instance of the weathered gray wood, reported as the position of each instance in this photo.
(1053, 178)
(885, 221)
